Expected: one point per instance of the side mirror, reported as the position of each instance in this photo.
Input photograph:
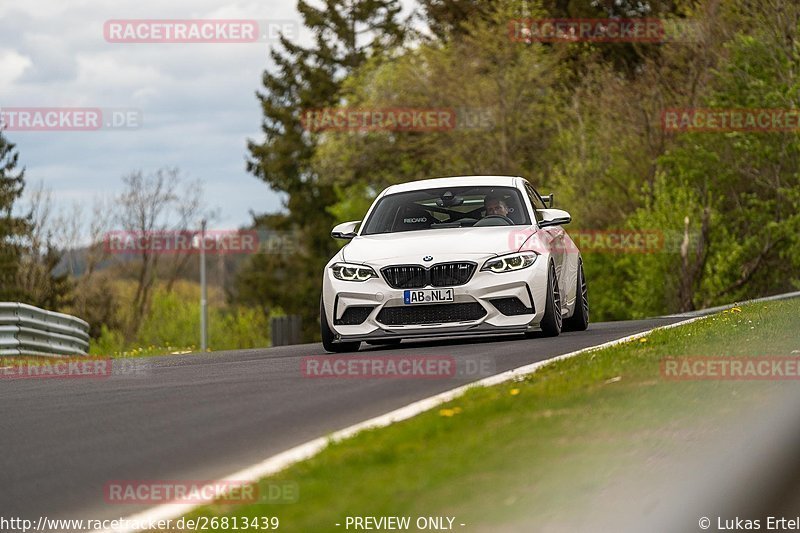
(553, 217)
(345, 230)
(548, 200)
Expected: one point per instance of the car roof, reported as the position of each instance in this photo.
(453, 181)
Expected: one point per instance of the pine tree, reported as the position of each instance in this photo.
(346, 34)
(13, 229)
(447, 18)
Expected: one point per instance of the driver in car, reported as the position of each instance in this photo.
(495, 205)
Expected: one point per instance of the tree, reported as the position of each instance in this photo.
(39, 276)
(150, 205)
(95, 297)
(749, 180)
(346, 34)
(731, 198)
(13, 228)
(505, 98)
(448, 18)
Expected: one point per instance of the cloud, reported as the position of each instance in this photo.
(12, 65)
(197, 100)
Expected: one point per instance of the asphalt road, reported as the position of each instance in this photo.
(202, 417)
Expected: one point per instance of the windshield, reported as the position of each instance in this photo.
(454, 207)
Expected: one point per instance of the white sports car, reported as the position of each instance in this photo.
(453, 256)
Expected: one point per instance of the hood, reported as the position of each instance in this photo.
(443, 244)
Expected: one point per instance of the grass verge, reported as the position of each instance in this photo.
(540, 446)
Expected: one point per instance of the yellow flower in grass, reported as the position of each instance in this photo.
(449, 412)
(513, 392)
(643, 339)
(736, 310)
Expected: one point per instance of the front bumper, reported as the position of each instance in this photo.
(528, 285)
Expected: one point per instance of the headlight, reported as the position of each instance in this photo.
(510, 262)
(351, 272)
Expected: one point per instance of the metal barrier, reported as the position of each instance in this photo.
(28, 330)
(285, 330)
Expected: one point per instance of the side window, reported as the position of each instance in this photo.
(536, 201)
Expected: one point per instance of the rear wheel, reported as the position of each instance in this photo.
(579, 320)
(328, 336)
(551, 321)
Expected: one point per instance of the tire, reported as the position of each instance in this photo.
(579, 320)
(384, 342)
(552, 320)
(328, 336)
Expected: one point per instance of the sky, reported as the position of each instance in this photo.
(196, 102)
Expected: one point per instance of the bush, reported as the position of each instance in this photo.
(172, 324)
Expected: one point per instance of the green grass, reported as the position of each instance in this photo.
(172, 324)
(539, 446)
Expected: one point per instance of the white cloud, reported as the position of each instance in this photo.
(12, 65)
(109, 70)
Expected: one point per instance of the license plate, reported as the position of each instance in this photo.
(427, 296)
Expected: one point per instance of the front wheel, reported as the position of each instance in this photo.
(328, 336)
(551, 321)
(579, 320)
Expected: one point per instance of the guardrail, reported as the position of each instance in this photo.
(28, 330)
